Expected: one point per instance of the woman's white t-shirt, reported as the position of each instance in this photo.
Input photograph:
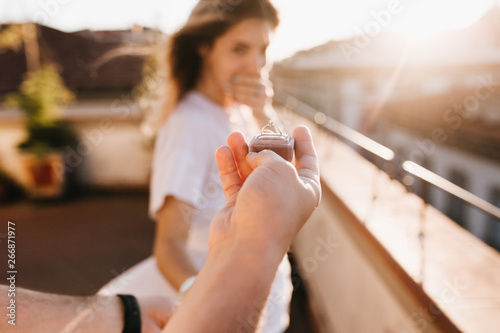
(184, 164)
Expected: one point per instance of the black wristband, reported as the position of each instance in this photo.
(132, 314)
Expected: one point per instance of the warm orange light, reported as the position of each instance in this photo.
(422, 19)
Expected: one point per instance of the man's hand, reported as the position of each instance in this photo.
(155, 313)
(268, 199)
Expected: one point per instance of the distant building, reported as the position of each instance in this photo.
(104, 69)
(78, 54)
(436, 102)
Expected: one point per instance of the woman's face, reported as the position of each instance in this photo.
(241, 51)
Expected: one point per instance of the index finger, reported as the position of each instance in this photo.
(231, 181)
(239, 148)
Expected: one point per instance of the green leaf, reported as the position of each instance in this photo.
(41, 96)
(11, 38)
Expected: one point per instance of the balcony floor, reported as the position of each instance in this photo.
(75, 247)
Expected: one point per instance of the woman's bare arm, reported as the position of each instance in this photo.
(172, 230)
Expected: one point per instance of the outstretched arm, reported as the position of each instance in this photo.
(42, 312)
(268, 201)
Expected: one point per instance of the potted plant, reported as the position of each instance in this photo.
(40, 97)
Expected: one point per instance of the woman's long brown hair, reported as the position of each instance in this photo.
(184, 62)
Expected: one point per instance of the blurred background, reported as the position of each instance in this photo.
(402, 96)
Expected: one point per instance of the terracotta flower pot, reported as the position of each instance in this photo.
(46, 176)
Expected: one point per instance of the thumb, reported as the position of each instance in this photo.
(263, 157)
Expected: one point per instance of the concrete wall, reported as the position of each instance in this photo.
(351, 294)
(376, 258)
(113, 152)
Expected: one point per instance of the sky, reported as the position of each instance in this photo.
(304, 23)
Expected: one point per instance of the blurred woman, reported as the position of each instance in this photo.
(218, 83)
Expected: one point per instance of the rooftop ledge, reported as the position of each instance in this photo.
(116, 110)
(365, 265)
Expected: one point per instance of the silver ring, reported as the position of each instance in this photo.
(274, 128)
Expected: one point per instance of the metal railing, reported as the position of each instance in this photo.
(385, 153)
(451, 188)
(336, 127)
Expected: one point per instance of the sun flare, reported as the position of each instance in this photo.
(422, 19)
